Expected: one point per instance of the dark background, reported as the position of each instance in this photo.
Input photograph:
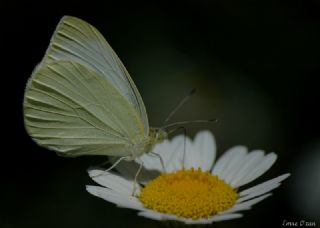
(254, 64)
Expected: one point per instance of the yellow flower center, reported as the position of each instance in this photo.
(188, 193)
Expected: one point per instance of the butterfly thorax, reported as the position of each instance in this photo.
(156, 135)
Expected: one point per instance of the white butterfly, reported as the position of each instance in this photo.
(80, 100)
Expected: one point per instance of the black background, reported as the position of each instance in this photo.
(255, 65)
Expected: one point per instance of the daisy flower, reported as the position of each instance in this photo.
(193, 189)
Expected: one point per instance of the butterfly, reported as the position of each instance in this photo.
(81, 100)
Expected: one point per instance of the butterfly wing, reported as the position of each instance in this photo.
(74, 110)
(78, 41)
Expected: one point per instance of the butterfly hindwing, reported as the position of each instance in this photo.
(74, 110)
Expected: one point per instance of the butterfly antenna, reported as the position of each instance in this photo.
(182, 102)
(188, 122)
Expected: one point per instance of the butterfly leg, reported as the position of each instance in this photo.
(160, 159)
(112, 166)
(136, 176)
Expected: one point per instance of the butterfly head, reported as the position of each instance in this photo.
(158, 134)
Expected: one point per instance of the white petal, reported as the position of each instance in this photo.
(204, 147)
(258, 193)
(173, 159)
(257, 171)
(165, 149)
(234, 165)
(162, 148)
(224, 217)
(215, 218)
(129, 169)
(151, 214)
(263, 186)
(251, 160)
(171, 153)
(245, 205)
(112, 181)
(114, 197)
(228, 159)
(150, 162)
(153, 162)
(198, 221)
(251, 202)
(191, 155)
(161, 216)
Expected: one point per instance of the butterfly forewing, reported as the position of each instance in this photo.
(76, 40)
